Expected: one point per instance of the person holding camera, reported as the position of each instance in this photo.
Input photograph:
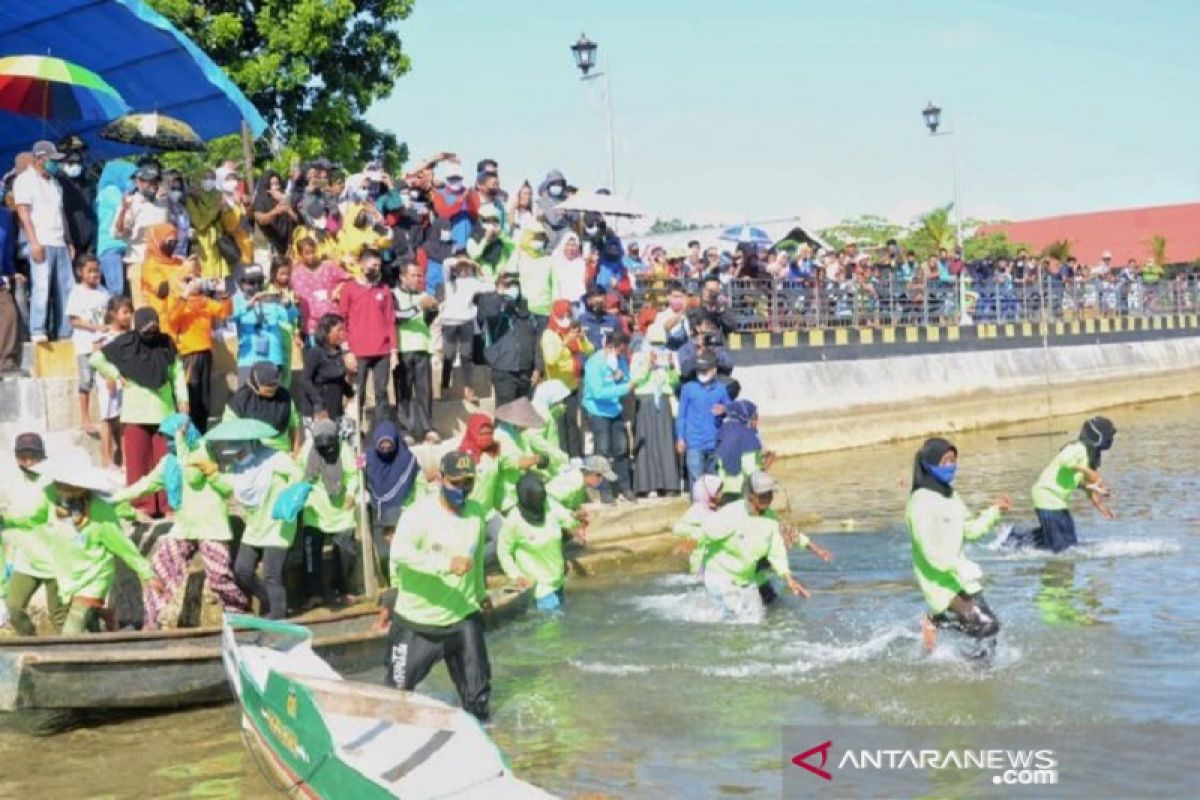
(161, 271)
(510, 339)
(488, 246)
(143, 208)
(565, 348)
(190, 315)
(606, 381)
(262, 320)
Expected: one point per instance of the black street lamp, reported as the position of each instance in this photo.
(933, 117)
(584, 52)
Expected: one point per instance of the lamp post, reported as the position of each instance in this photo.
(584, 53)
(933, 120)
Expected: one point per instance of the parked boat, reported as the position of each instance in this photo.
(317, 735)
(155, 669)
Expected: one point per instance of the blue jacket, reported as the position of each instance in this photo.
(601, 394)
(597, 328)
(260, 330)
(695, 423)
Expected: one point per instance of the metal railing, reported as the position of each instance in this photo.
(768, 305)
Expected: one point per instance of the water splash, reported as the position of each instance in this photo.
(1085, 551)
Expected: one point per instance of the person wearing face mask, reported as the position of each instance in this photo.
(458, 325)
(568, 271)
(264, 321)
(521, 212)
(702, 405)
(274, 217)
(413, 377)
(595, 230)
(939, 526)
(391, 474)
(605, 384)
(154, 387)
(191, 318)
(488, 245)
(162, 272)
(510, 340)
(116, 179)
(533, 267)
(258, 476)
(203, 204)
(655, 381)
(455, 205)
(551, 193)
(198, 497)
(90, 540)
(26, 511)
(362, 223)
(39, 201)
(236, 243)
(79, 202)
(704, 341)
(673, 319)
(141, 210)
(529, 545)
(329, 515)
(369, 308)
(436, 561)
(177, 213)
(1076, 465)
(263, 399)
(598, 324)
(611, 273)
(565, 350)
(733, 542)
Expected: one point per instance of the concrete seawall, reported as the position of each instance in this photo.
(828, 405)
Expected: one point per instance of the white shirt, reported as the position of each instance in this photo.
(142, 215)
(568, 279)
(89, 305)
(43, 195)
(459, 305)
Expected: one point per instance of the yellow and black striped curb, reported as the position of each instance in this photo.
(884, 340)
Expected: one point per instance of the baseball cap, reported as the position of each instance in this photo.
(599, 465)
(148, 172)
(30, 443)
(487, 166)
(373, 171)
(762, 483)
(45, 149)
(457, 466)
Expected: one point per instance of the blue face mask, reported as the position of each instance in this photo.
(942, 474)
(454, 496)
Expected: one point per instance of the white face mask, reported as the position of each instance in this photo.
(73, 170)
(175, 195)
(556, 191)
(319, 224)
(563, 321)
(229, 186)
(208, 184)
(706, 377)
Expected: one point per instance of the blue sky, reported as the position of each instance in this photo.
(747, 109)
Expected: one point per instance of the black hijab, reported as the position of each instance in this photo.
(931, 453)
(141, 357)
(1097, 436)
(247, 403)
(531, 498)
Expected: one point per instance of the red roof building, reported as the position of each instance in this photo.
(1125, 233)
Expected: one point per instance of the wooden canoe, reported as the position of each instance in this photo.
(316, 735)
(147, 670)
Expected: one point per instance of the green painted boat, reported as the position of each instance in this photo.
(317, 735)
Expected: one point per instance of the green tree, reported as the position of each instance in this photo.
(991, 245)
(867, 230)
(670, 226)
(311, 67)
(933, 231)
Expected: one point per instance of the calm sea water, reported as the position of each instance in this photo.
(640, 692)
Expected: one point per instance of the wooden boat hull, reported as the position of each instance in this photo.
(155, 670)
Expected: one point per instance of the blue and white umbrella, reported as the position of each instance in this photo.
(747, 234)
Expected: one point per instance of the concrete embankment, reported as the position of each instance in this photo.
(818, 406)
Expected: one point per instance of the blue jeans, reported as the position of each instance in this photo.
(54, 271)
(112, 270)
(699, 462)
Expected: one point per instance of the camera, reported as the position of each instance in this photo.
(710, 340)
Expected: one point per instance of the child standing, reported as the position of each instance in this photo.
(86, 308)
(118, 318)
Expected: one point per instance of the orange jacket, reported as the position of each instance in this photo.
(190, 320)
(158, 269)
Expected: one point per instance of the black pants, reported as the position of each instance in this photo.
(198, 368)
(510, 385)
(970, 614)
(570, 435)
(414, 649)
(414, 393)
(270, 591)
(377, 367)
(610, 440)
(458, 340)
(345, 561)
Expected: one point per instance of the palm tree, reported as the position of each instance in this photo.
(934, 231)
(1158, 249)
(1060, 249)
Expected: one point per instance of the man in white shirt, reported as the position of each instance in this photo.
(40, 208)
(1104, 267)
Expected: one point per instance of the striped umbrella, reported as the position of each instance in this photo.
(51, 89)
(747, 234)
